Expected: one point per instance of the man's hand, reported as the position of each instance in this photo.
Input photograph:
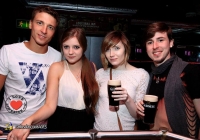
(140, 108)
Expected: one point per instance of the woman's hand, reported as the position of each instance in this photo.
(18, 134)
(120, 94)
(21, 132)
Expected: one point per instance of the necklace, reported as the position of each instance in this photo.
(76, 75)
(157, 80)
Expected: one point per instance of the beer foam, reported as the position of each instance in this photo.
(151, 98)
(114, 82)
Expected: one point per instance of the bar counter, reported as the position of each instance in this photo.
(102, 135)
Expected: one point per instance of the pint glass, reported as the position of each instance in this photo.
(150, 107)
(112, 84)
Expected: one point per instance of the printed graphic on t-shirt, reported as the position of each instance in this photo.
(16, 104)
(33, 77)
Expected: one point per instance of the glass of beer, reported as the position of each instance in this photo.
(112, 84)
(150, 107)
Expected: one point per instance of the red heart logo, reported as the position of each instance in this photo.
(16, 104)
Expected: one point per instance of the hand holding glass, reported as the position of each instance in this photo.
(112, 84)
(150, 107)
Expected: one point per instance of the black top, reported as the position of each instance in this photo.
(192, 80)
(190, 77)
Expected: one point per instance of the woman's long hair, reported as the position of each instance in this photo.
(89, 84)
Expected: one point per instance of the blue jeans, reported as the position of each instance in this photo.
(4, 130)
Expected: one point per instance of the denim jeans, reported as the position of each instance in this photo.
(5, 131)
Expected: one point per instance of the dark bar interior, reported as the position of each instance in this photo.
(98, 18)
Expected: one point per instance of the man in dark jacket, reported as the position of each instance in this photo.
(175, 82)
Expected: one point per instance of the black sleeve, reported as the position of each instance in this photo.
(191, 78)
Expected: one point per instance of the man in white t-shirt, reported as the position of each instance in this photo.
(24, 67)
